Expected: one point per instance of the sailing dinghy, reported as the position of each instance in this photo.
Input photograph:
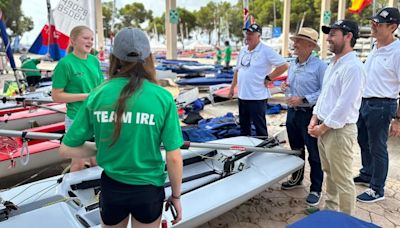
(19, 156)
(33, 118)
(216, 178)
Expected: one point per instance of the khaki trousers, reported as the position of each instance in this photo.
(335, 148)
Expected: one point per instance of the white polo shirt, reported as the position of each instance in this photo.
(252, 67)
(383, 71)
(342, 88)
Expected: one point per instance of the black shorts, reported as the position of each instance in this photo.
(33, 80)
(118, 200)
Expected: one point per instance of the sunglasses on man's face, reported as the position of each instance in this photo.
(377, 23)
(246, 59)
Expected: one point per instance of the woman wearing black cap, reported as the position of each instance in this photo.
(130, 116)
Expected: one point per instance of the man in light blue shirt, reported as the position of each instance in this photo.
(303, 86)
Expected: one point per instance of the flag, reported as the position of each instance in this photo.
(54, 37)
(246, 15)
(49, 37)
(357, 6)
(6, 42)
(252, 19)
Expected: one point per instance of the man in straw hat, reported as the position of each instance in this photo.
(379, 104)
(302, 88)
(335, 115)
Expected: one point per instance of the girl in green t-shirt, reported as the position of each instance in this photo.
(130, 117)
(75, 76)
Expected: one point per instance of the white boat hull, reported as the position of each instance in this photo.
(201, 202)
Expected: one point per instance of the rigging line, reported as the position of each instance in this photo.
(31, 177)
(208, 158)
(45, 191)
(33, 184)
(65, 199)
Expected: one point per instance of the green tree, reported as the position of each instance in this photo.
(222, 17)
(134, 14)
(107, 8)
(157, 26)
(206, 17)
(187, 21)
(14, 18)
(235, 23)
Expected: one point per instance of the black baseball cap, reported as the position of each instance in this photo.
(345, 25)
(388, 15)
(253, 28)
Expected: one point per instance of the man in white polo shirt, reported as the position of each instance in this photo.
(252, 73)
(379, 104)
(335, 115)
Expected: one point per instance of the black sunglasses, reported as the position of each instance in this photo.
(246, 59)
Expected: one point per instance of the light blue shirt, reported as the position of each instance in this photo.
(305, 79)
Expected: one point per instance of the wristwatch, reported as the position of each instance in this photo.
(305, 101)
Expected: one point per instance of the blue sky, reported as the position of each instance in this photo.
(37, 10)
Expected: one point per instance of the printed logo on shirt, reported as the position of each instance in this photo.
(78, 74)
(142, 118)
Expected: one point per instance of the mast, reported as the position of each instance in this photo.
(285, 28)
(113, 16)
(99, 24)
(49, 22)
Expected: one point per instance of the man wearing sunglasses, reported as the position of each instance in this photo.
(252, 73)
(379, 105)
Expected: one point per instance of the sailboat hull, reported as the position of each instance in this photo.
(207, 193)
(28, 119)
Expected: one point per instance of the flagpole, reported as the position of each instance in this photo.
(9, 53)
(49, 22)
(246, 15)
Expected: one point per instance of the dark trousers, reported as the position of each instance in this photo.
(252, 111)
(296, 125)
(373, 127)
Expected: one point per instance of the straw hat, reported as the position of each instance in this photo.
(308, 34)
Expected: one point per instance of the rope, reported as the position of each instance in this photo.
(24, 150)
(8, 146)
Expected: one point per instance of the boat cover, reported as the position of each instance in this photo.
(331, 219)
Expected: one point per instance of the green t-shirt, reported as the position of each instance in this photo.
(77, 75)
(150, 118)
(31, 64)
(228, 53)
(219, 55)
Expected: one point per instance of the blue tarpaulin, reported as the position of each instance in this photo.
(331, 219)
